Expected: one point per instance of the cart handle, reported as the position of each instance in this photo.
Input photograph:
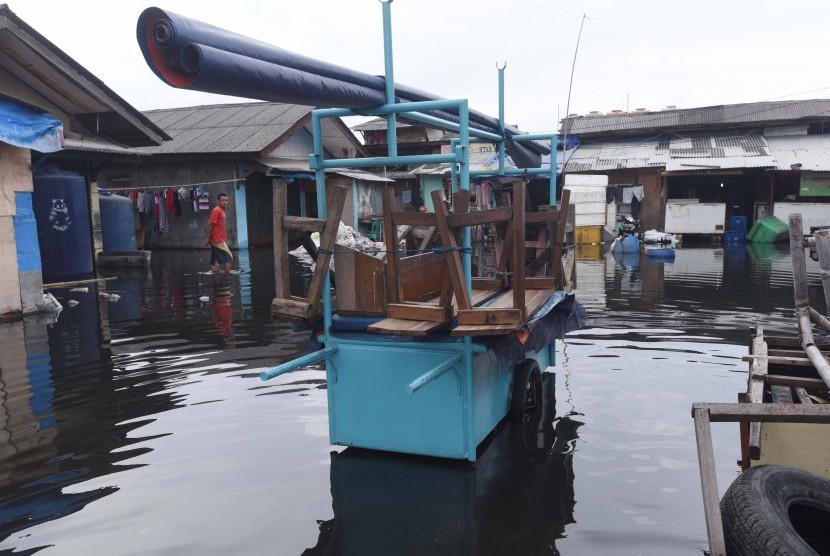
(434, 373)
(298, 363)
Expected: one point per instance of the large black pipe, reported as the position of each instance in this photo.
(189, 54)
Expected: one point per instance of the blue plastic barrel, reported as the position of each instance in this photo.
(61, 209)
(117, 223)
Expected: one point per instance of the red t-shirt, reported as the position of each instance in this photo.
(217, 218)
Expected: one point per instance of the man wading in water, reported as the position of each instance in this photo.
(217, 233)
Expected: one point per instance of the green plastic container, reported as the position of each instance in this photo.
(768, 230)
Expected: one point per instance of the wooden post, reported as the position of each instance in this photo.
(454, 268)
(281, 276)
(327, 239)
(390, 236)
(709, 482)
(518, 281)
(802, 295)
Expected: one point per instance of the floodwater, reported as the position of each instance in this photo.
(140, 425)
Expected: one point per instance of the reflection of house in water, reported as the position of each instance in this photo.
(516, 499)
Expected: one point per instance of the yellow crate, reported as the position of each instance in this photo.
(589, 251)
(588, 234)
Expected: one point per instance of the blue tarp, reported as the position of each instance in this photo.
(189, 54)
(28, 128)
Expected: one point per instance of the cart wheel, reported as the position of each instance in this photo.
(527, 390)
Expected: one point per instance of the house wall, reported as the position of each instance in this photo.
(16, 176)
(190, 229)
(16, 88)
(653, 207)
(428, 185)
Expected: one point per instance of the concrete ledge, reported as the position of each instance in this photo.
(139, 259)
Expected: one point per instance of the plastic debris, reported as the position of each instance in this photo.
(72, 303)
(204, 299)
(84, 290)
(109, 296)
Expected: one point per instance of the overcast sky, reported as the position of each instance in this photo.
(636, 53)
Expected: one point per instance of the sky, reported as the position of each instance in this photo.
(632, 54)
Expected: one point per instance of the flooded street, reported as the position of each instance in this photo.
(140, 426)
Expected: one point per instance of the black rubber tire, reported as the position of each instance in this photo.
(756, 511)
(527, 390)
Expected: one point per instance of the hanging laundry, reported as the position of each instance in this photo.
(164, 222)
(169, 200)
(194, 200)
(203, 199)
(156, 205)
(631, 192)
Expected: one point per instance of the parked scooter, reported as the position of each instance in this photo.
(628, 226)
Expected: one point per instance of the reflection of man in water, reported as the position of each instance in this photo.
(216, 236)
(223, 317)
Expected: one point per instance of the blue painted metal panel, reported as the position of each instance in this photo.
(241, 207)
(370, 405)
(25, 233)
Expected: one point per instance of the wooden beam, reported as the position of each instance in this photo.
(501, 214)
(280, 208)
(709, 482)
(327, 238)
(765, 412)
(518, 279)
(390, 237)
(429, 313)
(484, 315)
(452, 256)
(303, 224)
(413, 218)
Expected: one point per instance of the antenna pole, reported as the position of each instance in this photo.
(567, 110)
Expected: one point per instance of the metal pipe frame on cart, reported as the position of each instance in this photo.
(706, 413)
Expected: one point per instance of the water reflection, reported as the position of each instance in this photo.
(517, 498)
(121, 395)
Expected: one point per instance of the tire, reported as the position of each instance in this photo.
(771, 509)
(526, 397)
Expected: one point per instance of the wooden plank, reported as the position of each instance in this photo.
(477, 218)
(781, 394)
(709, 483)
(539, 283)
(486, 315)
(421, 276)
(303, 224)
(402, 327)
(484, 295)
(280, 209)
(535, 299)
(559, 240)
(452, 257)
(755, 387)
(797, 381)
(413, 218)
(390, 235)
(765, 412)
(293, 310)
(361, 283)
(517, 281)
(482, 283)
(484, 330)
(793, 342)
(327, 238)
(428, 237)
(802, 395)
(430, 313)
(784, 361)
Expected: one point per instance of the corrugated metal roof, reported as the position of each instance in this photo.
(618, 155)
(811, 151)
(699, 152)
(376, 124)
(301, 165)
(709, 116)
(224, 128)
(479, 160)
(97, 144)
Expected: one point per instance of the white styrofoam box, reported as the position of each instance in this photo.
(593, 180)
(695, 218)
(590, 214)
(585, 194)
(812, 214)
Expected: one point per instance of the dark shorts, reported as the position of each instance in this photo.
(220, 254)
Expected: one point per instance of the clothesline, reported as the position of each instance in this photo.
(115, 187)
